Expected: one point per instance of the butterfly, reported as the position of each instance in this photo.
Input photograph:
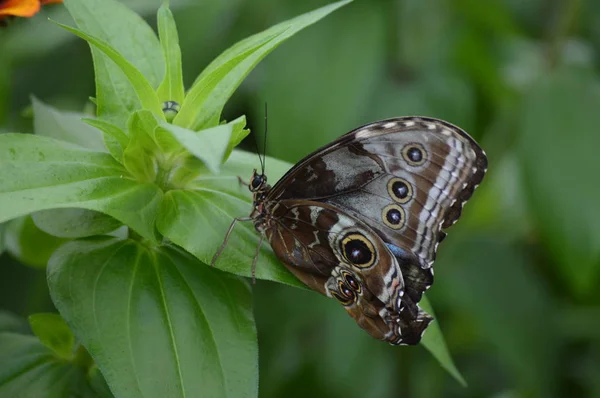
(360, 219)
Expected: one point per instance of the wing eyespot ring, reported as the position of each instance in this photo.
(393, 216)
(358, 250)
(400, 190)
(344, 294)
(351, 281)
(414, 154)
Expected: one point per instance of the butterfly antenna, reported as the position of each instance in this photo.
(262, 165)
(265, 143)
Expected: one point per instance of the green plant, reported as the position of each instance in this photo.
(131, 206)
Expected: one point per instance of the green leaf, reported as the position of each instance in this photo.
(210, 145)
(54, 333)
(238, 134)
(12, 323)
(206, 98)
(197, 219)
(74, 223)
(98, 383)
(433, 340)
(139, 161)
(65, 126)
(558, 141)
(143, 123)
(144, 91)
(139, 157)
(171, 88)
(124, 30)
(115, 139)
(128, 33)
(164, 143)
(29, 244)
(149, 153)
(29, 369)
(39, 173)
(158, 323)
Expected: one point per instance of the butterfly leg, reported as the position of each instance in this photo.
(229, 231)
(242, 182)
(262, 238)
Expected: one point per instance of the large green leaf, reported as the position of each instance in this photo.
(65, 126)
(157, 322)
(70, 127)
(39, 173)
(558, 149)
(126, 32)
(206, 98)
(29, 369)
(197, 219)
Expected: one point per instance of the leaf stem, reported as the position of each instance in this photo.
(82, 358)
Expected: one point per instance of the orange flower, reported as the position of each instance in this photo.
(19, 8)
(22, 8)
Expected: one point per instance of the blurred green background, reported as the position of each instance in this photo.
(516, 281)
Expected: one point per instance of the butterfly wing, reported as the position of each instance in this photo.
(427, 167)
(406, 178)
(342, 257)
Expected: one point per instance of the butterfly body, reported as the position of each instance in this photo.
(360, 219)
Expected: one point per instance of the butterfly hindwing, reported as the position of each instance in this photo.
(341, 257)
(317, 237)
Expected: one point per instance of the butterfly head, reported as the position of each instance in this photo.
(258, 182)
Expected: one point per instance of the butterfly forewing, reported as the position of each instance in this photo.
(405, 177)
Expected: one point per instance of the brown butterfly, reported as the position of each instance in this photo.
(360, 219)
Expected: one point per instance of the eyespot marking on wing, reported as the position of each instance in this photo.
(393, 216)
(400, 189)
(414, 154)
(358, 250)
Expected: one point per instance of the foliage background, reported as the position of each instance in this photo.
(515, 280)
